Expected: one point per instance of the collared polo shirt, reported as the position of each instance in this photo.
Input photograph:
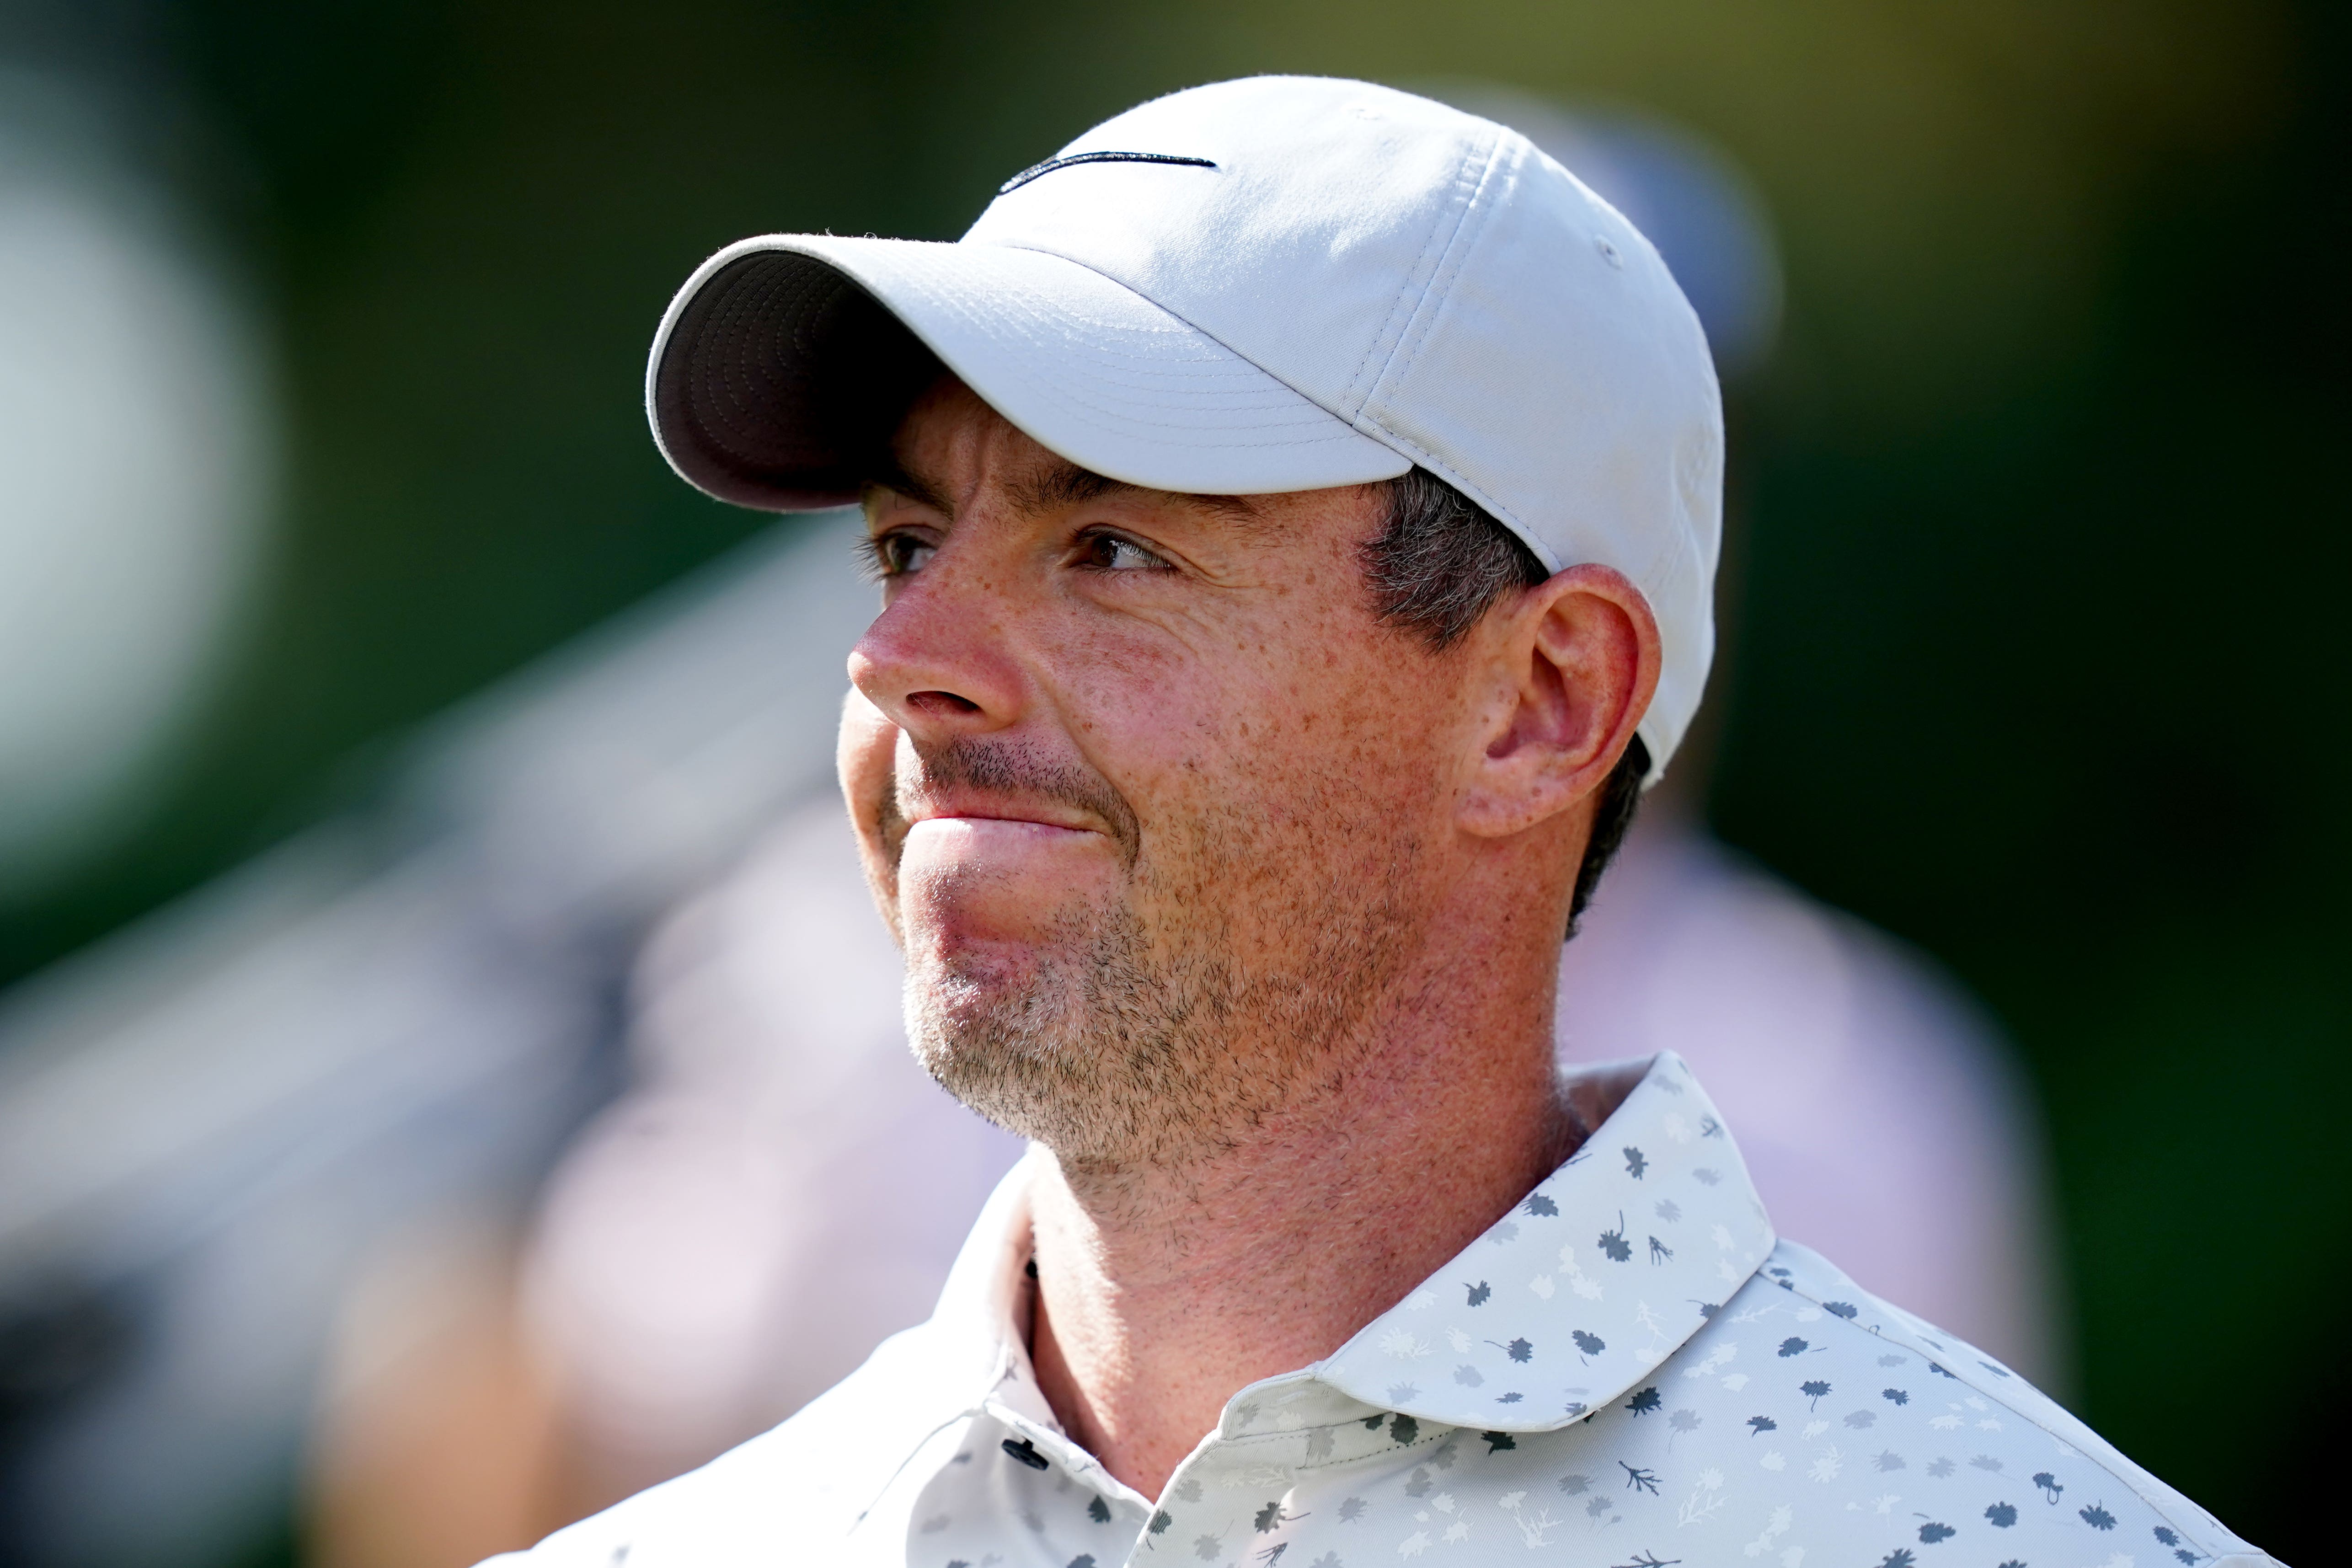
(1629, 1370)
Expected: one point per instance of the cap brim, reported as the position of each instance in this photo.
(784, 365)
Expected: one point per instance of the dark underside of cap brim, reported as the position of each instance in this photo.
(782, 381)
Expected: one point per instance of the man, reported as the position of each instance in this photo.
(1295, 506)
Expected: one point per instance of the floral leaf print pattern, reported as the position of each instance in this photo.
(1635, 1165)
(1895, 1397)
(1540, 1207)
(1762, 1423)
(1816, 1390)
(2098, 1518)
(1644, 1403)
(1479, 1292)
(1613, 1243)
(1793, 1346)
(1931, 1532)
(2001, 1515)
(2051, 1489)
(1353, 1510)
(1639, 1479)
(1588, 1344)
(1099, 1510)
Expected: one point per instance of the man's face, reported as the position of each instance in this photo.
(1154, 803)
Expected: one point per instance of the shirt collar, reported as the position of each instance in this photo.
(1577, 1293)
(1567, 1302)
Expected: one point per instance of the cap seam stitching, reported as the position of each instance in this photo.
(1360, 400)
(1441, 284)
(1373, 426)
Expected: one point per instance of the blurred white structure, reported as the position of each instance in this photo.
(138, 454)
(784, 1187)
(210, 1123)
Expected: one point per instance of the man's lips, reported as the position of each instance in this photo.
(994, 825)
(978, 843)
(985, 815)
(1002, 794)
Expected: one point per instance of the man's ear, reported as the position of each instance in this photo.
(1567, 672)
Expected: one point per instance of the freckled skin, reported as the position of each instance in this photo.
(1244, 905)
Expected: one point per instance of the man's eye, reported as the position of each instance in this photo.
(1109, 552)
(901, 554)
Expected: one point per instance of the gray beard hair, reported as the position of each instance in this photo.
(1118, 1050)
(1116, 1056)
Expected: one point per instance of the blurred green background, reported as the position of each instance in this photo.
(2039, 662)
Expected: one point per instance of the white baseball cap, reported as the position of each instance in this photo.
(1280, 283)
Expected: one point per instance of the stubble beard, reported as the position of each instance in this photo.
(1121, 1043)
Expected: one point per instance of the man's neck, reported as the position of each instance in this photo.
(1166, 1289)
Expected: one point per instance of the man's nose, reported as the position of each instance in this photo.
(937, 660)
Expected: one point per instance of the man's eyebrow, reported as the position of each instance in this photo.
(1067, 485)
(889, 476)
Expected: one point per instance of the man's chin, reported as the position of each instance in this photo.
(1004, 1029)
